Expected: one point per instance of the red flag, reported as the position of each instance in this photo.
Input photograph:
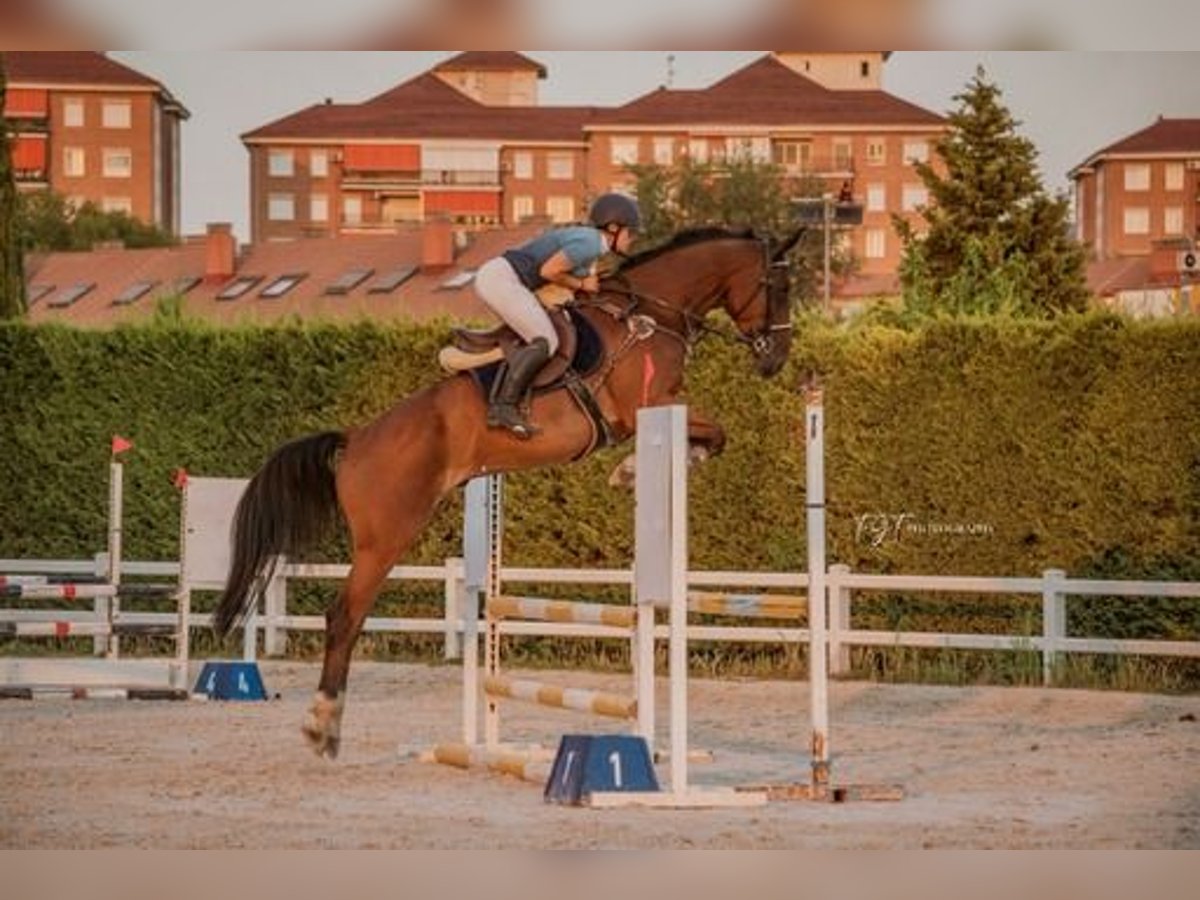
(647, 377)
(181, 479)
(120, 445)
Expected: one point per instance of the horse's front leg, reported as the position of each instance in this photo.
(706, 439)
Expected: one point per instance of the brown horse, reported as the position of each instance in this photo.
(388, 476)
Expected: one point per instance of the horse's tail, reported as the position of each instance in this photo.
(288, 505)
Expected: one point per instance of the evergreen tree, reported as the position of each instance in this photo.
(996, 241)
(12, 277)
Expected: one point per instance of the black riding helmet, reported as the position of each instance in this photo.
(616, 209)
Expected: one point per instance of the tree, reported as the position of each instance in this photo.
(738, 193)
(996, 241)
(12, 275)
(48, 222)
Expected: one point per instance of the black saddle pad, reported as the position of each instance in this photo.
(589, 354)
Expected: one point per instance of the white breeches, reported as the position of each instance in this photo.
(497, 285)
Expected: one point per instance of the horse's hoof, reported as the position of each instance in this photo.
(625, 474)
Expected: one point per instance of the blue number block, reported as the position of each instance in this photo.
(231, 681)
(587, 763)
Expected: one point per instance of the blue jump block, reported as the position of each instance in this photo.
(587, 763)
(231, 681)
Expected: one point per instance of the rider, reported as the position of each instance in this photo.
(564, 256)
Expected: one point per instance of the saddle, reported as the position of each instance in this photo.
(473, 349)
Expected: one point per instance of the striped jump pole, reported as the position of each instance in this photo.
(748, 606)
(598, 703)
(540, 610)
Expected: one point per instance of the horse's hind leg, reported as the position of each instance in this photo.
(343, 623)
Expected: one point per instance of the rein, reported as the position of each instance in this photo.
(695, 327)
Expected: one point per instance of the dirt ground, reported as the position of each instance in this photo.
(981, 768)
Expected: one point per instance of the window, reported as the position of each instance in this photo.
(281, 208)
(561, 209)
(560, 166)
(916, 150)
(876, 198)
(181, 286)
(876, 151)
(1173, 220)
(392, 280)
(238, 286)
(523, 165)
(352, 210)
(457, 280)
(1173, 176)
(73, 112)
(792, 154)
(865, 69)
(876, 243)
(118, 162)
(698, 150)
(70, 295)
(318, 208)
(36, 292)
(915, 196)
(843, 156)
(318, 163)
(73, 162)
(1137, 220)
(134, 292)
(282, 285)
(757, 149)
(522, 208)
(664, 151)
(624, 151)
(115, 114)
(117, 205)
(281, 163)
(1137, 177)
(349, 281)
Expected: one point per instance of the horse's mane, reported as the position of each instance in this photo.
(686, 238)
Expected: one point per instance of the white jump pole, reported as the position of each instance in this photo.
(818, 664)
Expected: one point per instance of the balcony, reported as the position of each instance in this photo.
(461, 177)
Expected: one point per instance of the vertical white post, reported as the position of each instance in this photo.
(817, 659)
(492, 587)
(275, 608)
(452, 604)
(116, 513)
(1054, 621)
(839, 620)
(476, 554)
(100, 606)
(660, 566)
(643, 671)
(678, 624)
(250, 635)
(183, 624)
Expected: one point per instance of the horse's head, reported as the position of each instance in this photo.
(759, 303)
(704, 269)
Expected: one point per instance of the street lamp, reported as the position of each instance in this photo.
(829, 212)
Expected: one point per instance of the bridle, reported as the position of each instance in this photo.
(695, 327)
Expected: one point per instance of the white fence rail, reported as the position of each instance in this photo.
(1054, 587)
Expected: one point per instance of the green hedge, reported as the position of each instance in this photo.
(1073, 445)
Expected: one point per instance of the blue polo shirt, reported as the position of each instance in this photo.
(582, 244)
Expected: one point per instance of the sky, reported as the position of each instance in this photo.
(1070, 103)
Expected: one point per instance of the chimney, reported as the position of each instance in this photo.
(220, 251)
(437, 244)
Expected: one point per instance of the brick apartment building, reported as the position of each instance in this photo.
(95, 130)
(1141, 191)
(468, 140)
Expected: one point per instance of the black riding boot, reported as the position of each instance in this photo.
(518, 375)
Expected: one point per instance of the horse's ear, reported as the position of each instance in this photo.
(782, 248)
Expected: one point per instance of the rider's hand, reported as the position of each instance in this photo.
(590, 284)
